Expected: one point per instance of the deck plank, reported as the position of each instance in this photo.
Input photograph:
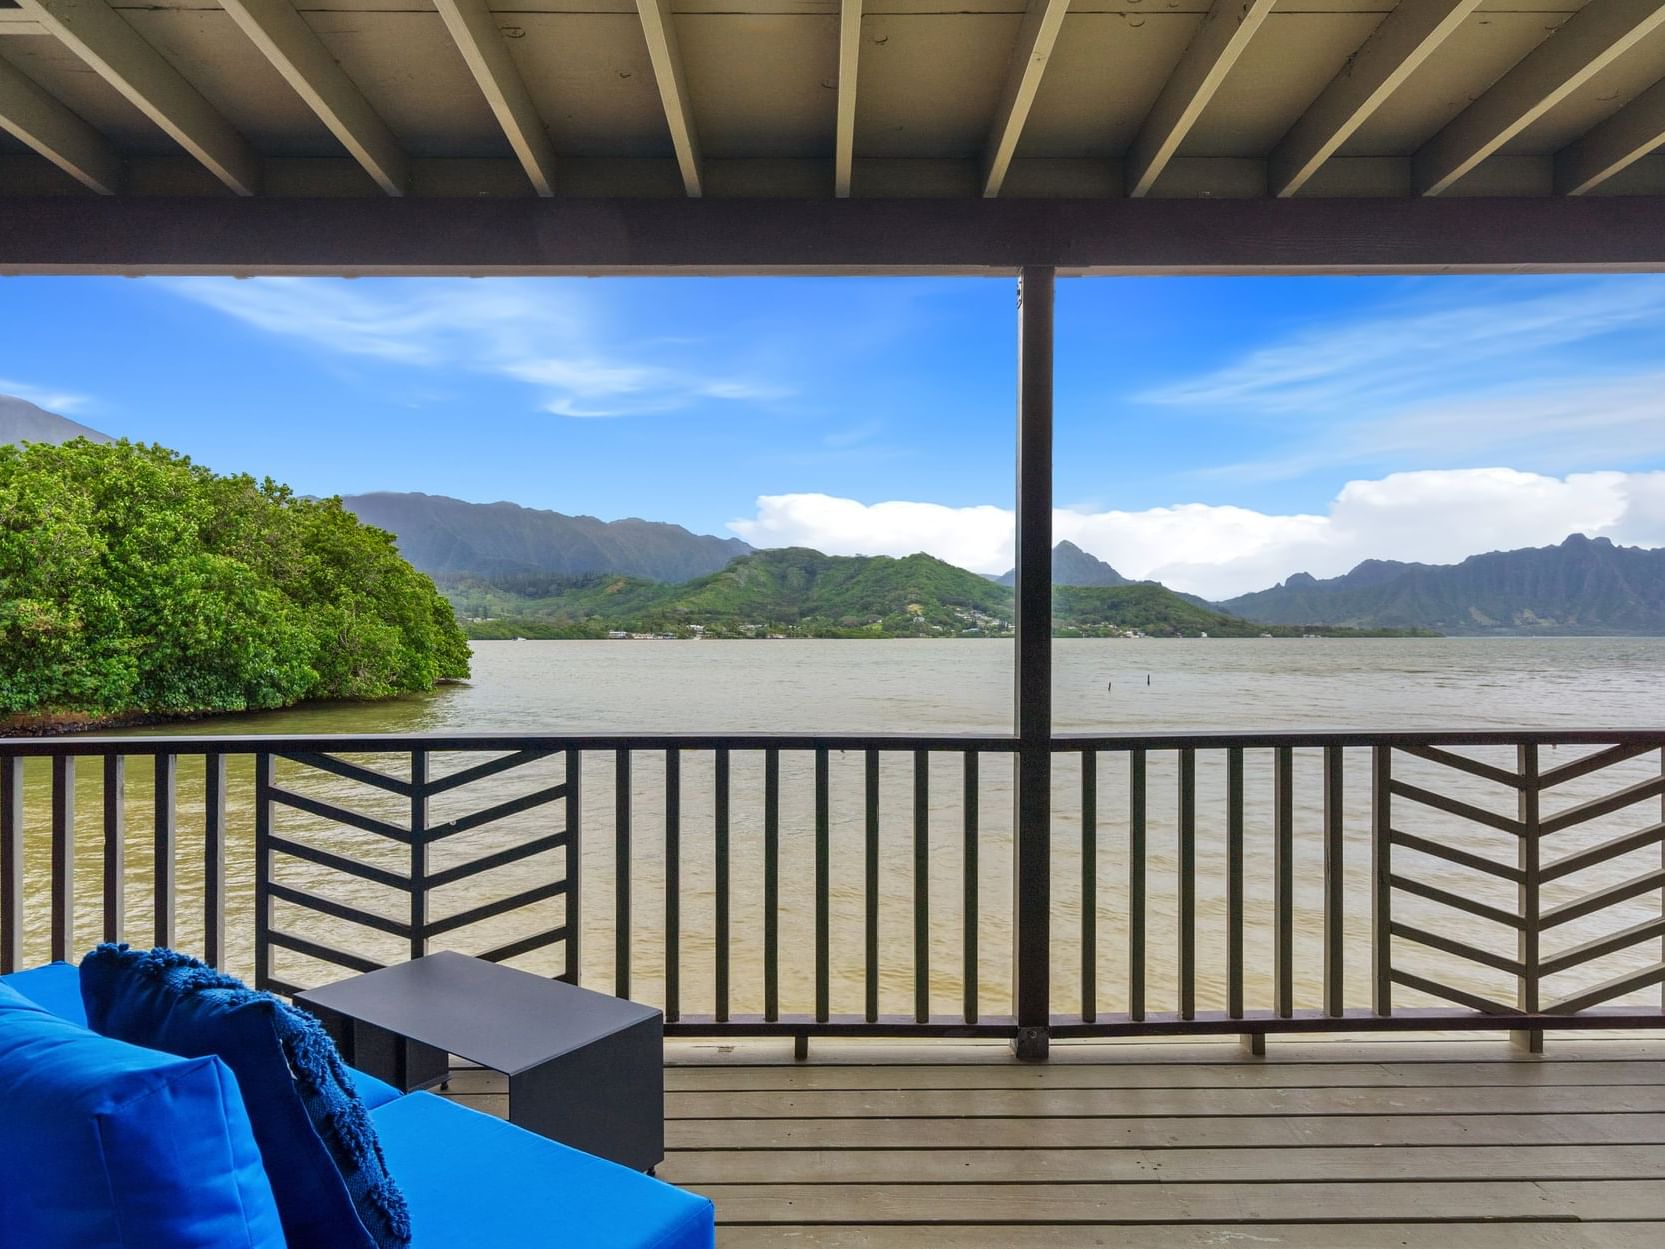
(1175, 1236)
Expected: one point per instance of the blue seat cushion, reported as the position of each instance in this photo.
(105, 1145)
(57, 987)
(475, 1182)
(331, 1180)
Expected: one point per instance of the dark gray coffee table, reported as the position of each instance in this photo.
(584, 1069)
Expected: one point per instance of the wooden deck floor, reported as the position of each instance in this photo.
(1417, 1144)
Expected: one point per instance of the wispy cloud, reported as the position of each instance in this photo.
(62, 402)
(1534, 377)
(542, 334)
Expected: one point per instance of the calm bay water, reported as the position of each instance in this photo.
(938, 687)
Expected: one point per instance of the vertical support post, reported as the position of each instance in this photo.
(1381, 880)
(673, 884)
(720, 903)
(621, 872)
(1527, 895)
(970, 912)
(1032, 596)
(418, 853)
(165, 870)
(115, 847)
(823, 886)
(870, 886)
(1335, 866)
(921, 886)
(771, 883)
(1089, 885)
(63, 856)
(1283, 806)
(262, 870)
(1187, 820)
(213, 858)
(11, 864)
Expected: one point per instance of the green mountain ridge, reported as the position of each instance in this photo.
(797, 592)
(1582, 586)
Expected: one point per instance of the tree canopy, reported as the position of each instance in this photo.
(134, 582)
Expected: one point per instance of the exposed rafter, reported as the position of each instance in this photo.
(1404, 40)
(474, 29)
(285, 39)
(30, 115)
(116, 53)
(1041, 24)
(1623, 139)
(1590, 41)
(658, 27)
(849, 57)
(1217, 46)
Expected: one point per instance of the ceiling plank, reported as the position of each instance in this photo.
(474, 29)
(849, 57)
(1217, 46)
(1404, 40)
(1036, 37)
(658, 26)
(99, 36)
(285, 39)
(1617, 143)
(1589, 41)
(30, 115)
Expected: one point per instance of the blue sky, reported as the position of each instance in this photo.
(1217, 432)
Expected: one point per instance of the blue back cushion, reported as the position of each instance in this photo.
(104, 1144)
(320, 1148)
(56, 986)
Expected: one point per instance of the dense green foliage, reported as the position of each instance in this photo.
(133, 582)
(802, 593)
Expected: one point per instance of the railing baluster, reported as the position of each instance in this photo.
(1283, 805)
(115, 847)
(621, 873)
(1335, 815)
(1136, 883)
(771, 884)
(673, 884)
(1527, 893)
(921, 886)
(1187, 883)
(574, 873)
(970, 907)
(11, 864)
(213, 858)
(165, 867)
(1234, 881)
(418, 853)
(823, 886)
(1089, 885)
(262, 870)
(720, 849)
(63, 856)
(1381, 879)
(871, 884)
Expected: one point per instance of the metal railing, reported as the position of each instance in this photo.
(811, 885)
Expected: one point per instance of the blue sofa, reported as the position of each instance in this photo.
(471, 1181)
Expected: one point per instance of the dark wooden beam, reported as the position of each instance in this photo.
(1032, 612)
(72, 234)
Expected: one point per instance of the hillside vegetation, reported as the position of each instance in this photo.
(797, 592)
(134, 583)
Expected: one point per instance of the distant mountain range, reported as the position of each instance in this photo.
(1073, 566)
(22, 421)
(449, 538)
(1583, 586)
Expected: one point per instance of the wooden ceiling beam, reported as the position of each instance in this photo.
(1617, 143)
(112, 49)
(1218, 45)
(1586, 44)
(33, 117)
(1036, 37)
(849, 58)
(659, 28)
(1406, 38)
(474, 29)
(285, 39)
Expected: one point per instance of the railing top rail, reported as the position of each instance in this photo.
(1211, 739)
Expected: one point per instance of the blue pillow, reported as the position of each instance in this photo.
(325, 1163)
(103, 1143)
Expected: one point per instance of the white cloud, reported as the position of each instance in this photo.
(63, 402)
(1435, 516)
(539, 333)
